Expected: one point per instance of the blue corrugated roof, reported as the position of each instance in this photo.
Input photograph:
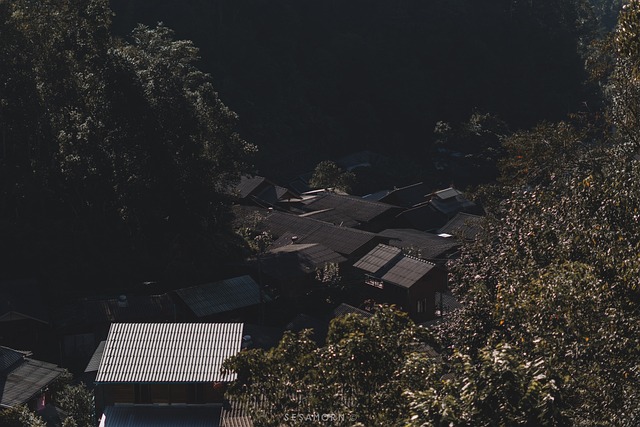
(161, 416)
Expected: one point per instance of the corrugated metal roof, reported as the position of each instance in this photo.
(161, 416)
(248, 184)
(348, 211)
(9, 358)
(463, 226)
(392, 266)
(344, 309)
(429, 245)
(378, 258)
(168, 352)
(27, 380)
(220, 297)
(343, 240)
(447, 193)
(94, 363)
(408, 196)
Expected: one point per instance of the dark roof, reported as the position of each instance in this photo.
(9, 358)
(343, 240)
(408, 196)
(25, 379)
(344, 309)
(377, 196)
(450, 201)
(94, 363)
(310, 255)
(429, 245)
(248, 184)
(391, 265)
(463, 226)
(168, 352)
(161, 416)
(421, 217)
(223, 296)
(348, 211)
(290, 261)
(20, 299)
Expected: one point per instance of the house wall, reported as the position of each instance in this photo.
(425, 290)
(160, 393)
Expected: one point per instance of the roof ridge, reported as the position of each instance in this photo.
(323, 223)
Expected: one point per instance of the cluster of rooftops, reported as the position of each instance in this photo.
(140, 351)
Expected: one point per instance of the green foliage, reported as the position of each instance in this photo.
(328, 175)
(355, 374)
(20, 416)
(119, 150)
(77, 403)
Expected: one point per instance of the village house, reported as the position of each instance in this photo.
(420, 244)
(25, 381)
(165, 371)
(408, 282)
(257, 190)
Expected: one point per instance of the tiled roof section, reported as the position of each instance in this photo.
(9, 358)
(311, 254)
(168, 352)
(343, 240)
(94, 363)
(26, 380)
(378, 258)
(344, 309)
(389, 264)
(248, 184)
(408, 196)
(290, 261)
(220, 297)
(450, 201)
(236, 415)
(348, 211)
(463, 226)
(429, 245)
(161, 416)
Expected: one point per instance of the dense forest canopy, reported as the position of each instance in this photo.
(315, 79)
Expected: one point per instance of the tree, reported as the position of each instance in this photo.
(20, 416)
(355, 375)
(328, 175)
(77, 403)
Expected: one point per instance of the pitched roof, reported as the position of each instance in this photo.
(248, 184)
(450, 201)
(429, 245)
(463, 226)
(391, 265)
(311, 255)
(9, 358)
(161, 416)
(94, 363)
(25, 378)
(220, 297)
(408, 196)
(168, 352)
(348, 211)
(344, 309)
(343, 240)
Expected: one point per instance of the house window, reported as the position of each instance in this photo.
(422, 306)
(374, 281)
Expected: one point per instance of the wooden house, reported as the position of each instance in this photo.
(408, 282)
(25, 381)
(165, 364)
